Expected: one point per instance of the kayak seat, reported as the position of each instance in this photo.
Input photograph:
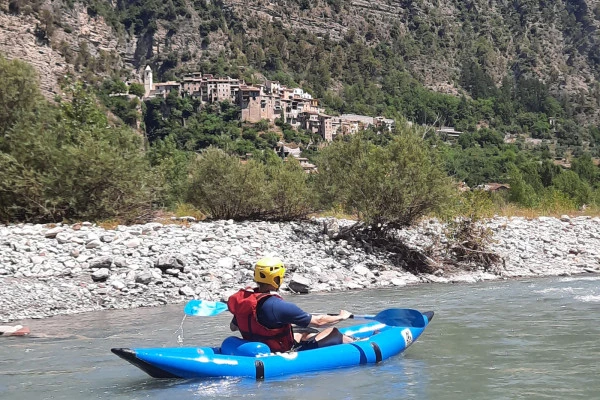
(235, 346)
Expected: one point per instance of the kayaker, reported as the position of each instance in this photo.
(260, 314)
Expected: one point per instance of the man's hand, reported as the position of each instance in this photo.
(322, 320)
(345, 314)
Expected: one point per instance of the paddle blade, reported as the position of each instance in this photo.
(204, 308)
(398, 317)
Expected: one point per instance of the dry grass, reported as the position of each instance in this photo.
(188, 210)
(512, 210)
(336, 212)
(110, 224)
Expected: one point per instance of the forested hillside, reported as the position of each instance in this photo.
(519, 78)
(342, 50)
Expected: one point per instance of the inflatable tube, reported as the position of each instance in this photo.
(239, 358)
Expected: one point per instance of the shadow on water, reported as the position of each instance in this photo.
(388, 380)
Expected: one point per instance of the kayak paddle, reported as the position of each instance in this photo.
(204, 308)
(390, 317)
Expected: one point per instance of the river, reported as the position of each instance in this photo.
(516, 339)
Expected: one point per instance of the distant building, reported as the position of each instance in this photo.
(271, 101)
(494, 187)
(449, 132)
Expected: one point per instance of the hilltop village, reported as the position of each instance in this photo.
(270, 101)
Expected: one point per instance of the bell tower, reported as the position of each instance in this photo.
(148, 81)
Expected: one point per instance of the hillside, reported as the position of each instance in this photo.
(341, 50)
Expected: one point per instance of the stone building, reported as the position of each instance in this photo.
(270, 101)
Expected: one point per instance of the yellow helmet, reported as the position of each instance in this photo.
(268, 269)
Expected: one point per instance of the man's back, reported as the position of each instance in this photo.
(274, 312)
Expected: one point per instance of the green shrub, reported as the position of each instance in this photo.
(223, 187)
(290, 193)
(137, 89)
(520, 191)
(386, 187)
(78, 168)
(569, 183)
(19, 93)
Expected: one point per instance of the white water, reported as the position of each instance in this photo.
(530, 339)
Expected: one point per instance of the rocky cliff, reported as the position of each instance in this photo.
(556, 41)
(74, 38)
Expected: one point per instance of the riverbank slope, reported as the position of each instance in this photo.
(67, 269)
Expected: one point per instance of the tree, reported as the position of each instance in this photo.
(586, 169)
(19, 92)
(520, 191)
(72, 165)
(137, 89)
(386, 187)
(224, 188)
(292, 197)
(569, 183)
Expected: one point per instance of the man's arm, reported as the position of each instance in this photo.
(322, 320)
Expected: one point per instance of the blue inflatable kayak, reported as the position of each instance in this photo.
(239, 358)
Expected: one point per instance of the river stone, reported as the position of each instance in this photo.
(132, 243)
(186, 291)
(92, 244)
(118, 285)
(51, 233)
(225, 262)
(361, 270)
(165, 262)
(299, 283)
(144, 278)
(101, 262)
(100, 275)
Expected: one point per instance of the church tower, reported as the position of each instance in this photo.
(148, 80)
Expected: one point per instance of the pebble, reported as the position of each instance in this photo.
(67, 269)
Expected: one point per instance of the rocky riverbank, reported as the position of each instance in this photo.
(66, 269)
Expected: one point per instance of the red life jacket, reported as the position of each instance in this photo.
(243, 306)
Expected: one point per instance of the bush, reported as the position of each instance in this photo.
(386, 187)
(570, 184)
(291, 196)
(79, 168)
(520, 191)
(225, 188)
(137, 89)
(19, 94)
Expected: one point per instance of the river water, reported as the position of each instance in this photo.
(516, 339)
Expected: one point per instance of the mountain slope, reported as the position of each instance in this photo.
(316, 43)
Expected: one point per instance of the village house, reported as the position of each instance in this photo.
(270, 101)
(494, 187)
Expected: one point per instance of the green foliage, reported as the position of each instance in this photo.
(289, 190)
(586, 169)
(473, 205)
(520, 191)
(392, 185)
(19, 92)
(225, 188)
(476, 81)
(570, 184)
(71, 166)
(137, 89)
(555, 202)
(171, 166)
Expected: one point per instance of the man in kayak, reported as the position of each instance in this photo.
(260, 314)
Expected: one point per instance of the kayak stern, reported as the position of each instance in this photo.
(152, 370)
